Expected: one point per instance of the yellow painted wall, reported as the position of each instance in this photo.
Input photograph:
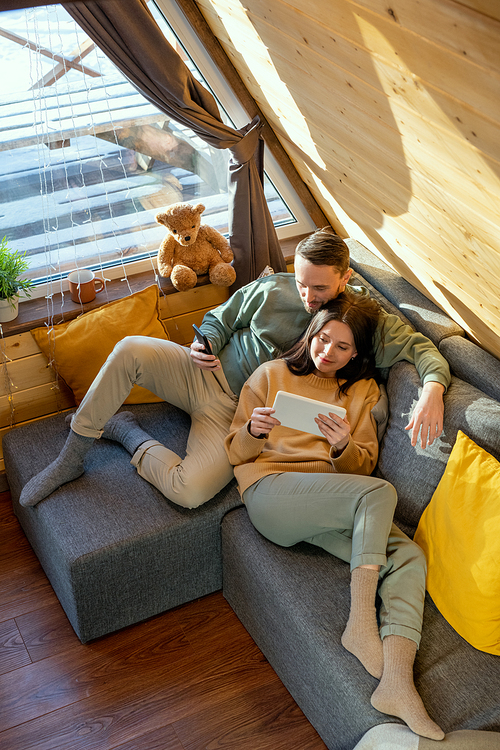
(390, 112)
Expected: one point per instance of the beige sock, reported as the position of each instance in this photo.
(396, 694)
(361, 636)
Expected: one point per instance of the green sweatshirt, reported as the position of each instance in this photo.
(264, 318)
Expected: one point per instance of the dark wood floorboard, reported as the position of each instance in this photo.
(190, 679)
(13, 652)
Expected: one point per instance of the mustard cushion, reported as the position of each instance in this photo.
(459, 532)
(78, 349)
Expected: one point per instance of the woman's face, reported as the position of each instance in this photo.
(332, 348)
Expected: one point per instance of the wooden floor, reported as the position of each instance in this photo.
(186, 680)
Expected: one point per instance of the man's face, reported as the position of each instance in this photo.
(318, 284)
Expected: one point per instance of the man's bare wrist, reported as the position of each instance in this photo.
(434, 385)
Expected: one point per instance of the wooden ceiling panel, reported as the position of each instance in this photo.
(391, 116)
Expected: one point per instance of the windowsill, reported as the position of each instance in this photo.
(34, 313)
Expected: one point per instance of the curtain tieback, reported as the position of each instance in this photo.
(243, 151)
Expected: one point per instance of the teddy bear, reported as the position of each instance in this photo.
(192, 249)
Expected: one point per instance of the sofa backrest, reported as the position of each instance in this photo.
(416, 472)
(472, 403)
(471, 363)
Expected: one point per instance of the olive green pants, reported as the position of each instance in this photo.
(349, 516)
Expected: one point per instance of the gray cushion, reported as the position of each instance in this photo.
(295, 603)
(424, 314)
(416, 472)
(114, 549)
(470, 362)
(358, 280)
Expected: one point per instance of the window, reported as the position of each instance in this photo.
(86, 161)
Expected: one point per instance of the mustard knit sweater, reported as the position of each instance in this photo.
(292, 450)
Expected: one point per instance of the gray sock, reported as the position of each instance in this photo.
(67, 466)
(125, 429)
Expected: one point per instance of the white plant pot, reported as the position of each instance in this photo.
(9, 309)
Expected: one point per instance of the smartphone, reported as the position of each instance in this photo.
(202, 339)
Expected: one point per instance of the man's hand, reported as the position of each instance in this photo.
(202, 360)
(428, 415)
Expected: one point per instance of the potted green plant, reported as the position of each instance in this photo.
(12, 265)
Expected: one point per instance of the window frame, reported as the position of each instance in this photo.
(229, 101)
(236, 111)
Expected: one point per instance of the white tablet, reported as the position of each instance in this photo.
(299, 412)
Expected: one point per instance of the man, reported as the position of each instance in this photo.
(257, 323)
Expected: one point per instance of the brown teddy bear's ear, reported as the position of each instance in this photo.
(162, 218)
(199, 208)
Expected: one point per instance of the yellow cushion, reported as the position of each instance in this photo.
(78, 349)
(459, 532)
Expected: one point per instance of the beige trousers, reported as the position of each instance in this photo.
(166, 369)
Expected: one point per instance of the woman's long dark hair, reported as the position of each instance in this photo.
(361, 313)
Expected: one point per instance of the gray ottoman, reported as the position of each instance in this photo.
(114, 549)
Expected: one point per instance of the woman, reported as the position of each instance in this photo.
(300, 487)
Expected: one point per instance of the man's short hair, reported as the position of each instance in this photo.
(325, 248)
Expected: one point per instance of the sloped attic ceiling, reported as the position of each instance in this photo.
(390, 113)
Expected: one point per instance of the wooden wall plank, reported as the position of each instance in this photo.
(316, 45)
(199, 298)
(19, 345)
(370, 36)
(465, 227)
(337, 33)
(25, 372)
(436, 240)
(439, 160)
(449, 247)
(454, 119)
(180, 328)
(459, 299)
(452, 160)
(457, 223)
(39, 401)
(489, 8)
(458, 30)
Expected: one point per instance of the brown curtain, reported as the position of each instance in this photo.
(127, 32)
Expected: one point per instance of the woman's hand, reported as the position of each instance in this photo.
(335, 429)
(261, 422)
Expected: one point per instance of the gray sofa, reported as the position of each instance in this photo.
(117, 552)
